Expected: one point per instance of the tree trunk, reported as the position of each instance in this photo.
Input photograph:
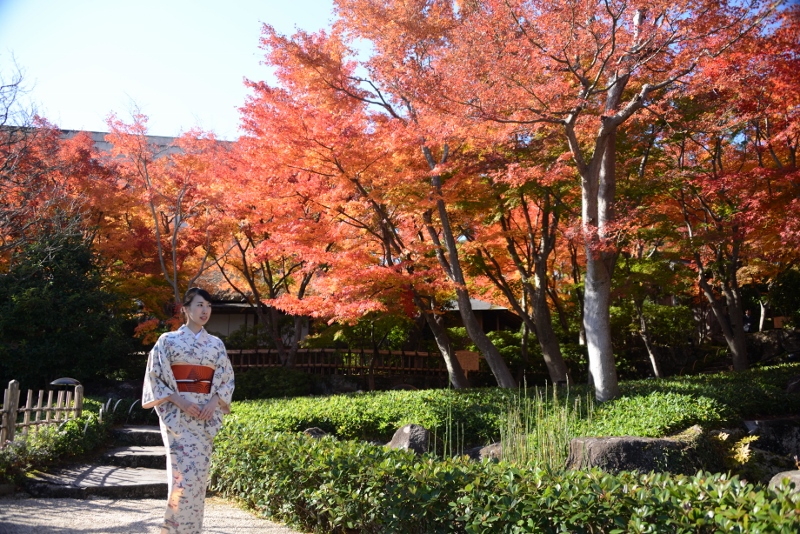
(447, 254)
(496, 363)
(597, 323)
(598, 187)
(645, 335)
(597, 198)
(733, 299)
(551, 349)
(732, 331)
(292, 352)
(454, 371)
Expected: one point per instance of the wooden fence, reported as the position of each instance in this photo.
(358, 362)
(60, 406)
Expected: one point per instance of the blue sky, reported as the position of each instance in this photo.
(181, 62)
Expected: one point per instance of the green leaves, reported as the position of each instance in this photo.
(345, 486)
(337, 485)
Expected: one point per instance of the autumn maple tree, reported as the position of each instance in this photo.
(585, 69)
(336, 162)
(163, 212)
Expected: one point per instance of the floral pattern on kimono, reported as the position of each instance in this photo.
(188, 440)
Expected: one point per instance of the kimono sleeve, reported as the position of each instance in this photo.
(159, 383)
(222, 384)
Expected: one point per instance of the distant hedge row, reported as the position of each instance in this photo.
(648, 408)
(348, 486)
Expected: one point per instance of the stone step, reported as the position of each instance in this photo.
(81, 481)
(149, 456)
(138, 435)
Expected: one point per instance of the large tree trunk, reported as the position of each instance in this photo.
(597, 323)
(454, 371)
(598, 194)
(598, 187)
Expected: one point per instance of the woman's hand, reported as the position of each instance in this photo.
(208, 409)
(186, 405)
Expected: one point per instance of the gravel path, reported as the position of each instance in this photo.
(20, 514)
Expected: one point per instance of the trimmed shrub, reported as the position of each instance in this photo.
(376, 415)
(648, 408)
(325, 485)
(346, 486)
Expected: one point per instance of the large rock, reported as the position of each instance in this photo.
(493, 452)
(412, 438)
(762, 466)
(682, 454)
(779, 436)
(793, 476)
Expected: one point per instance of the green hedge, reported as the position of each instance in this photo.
(648, 408)
(376, 415)
(756, 392)
(346, 486)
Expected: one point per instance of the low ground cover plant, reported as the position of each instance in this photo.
(49, 445)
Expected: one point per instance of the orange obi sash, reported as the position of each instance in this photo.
(193, 378)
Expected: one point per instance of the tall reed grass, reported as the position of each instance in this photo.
(451, 442)
(538, 428)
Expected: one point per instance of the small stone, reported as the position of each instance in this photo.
(493, 451)
(412, 438)
(315, 432)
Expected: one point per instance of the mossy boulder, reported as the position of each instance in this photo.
(684, 453)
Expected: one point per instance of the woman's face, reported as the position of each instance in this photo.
(198, 311)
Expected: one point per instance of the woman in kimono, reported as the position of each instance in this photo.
(189, 380)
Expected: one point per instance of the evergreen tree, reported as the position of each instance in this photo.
(56, 319)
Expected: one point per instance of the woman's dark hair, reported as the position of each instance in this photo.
(190, 295)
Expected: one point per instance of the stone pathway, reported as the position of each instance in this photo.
(95, 515)
(124, 492)
(134, 469)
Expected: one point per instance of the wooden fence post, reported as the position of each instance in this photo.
(10, 406)
(49, 411)
(26, 417)
(4, 419)
(78, 401)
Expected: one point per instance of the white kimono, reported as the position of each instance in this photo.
(188, 440)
